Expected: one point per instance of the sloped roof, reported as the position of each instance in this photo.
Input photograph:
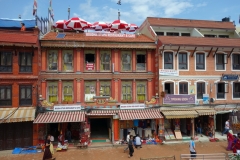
(173, 22)
(73, 36)
(200, 41)
(18, 37)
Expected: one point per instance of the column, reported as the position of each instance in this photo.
(193, 127)
(78, 59)
(60, 91)
(75, 60)
(75, 90)
(97, 60)
(82, 96)
(43, 88)
(116, 129)
(134, 60)
(149, 89)
(43, 63)
(116, 60)
(78, 91)
(98, 88)
(59, 60)
(134, 90)
(15, 95)
(149, 60)
(116, 90)
(82, 61)
(35, 134)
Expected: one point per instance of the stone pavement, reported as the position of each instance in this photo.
(116, 153)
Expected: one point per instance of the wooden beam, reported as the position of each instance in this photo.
(215, 52)
(230, 53)
(209, 52)
(194, 51)
(177, 51)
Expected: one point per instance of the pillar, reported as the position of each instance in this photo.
(149, 59)
(149, 89)
(134, 60)
(75, 60)
(60, 91)
(78, 61)
(75, 89)
(82, 96)
(117, 93)
(116, 60)
(35, 134)
(97, 60)
(44, 60)
(44, 87)
(60, 60)
(82, 61)
(116, 129)
(98, 88)
(134, 92)
(78, 91)
(193, 127)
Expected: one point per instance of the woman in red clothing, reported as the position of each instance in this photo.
(236, 146)
(230, 140)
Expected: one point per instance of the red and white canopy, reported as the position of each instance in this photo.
(99, 26)
(77, 23)
(61, 24)
(119, 25)
(132, 27)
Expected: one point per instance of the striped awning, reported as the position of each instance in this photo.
(102, 112)
(180, 114)
(140, 114)
(206, 112)
(60, 117)
(20, 114)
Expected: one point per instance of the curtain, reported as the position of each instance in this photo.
(68, 93)
(53, 94)
(140, 92)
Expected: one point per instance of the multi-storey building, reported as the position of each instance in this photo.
(97, 75)
(197, 64)
(18, 86)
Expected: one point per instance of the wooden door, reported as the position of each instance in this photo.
(9, 136)
(2, 142)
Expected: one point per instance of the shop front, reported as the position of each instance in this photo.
(16, 127)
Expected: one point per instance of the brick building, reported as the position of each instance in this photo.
(18, 86)
(197, 63)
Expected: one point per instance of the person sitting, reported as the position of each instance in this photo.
(23, 28)
(138, 142)
(210, 130)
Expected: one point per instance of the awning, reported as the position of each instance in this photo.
(59, 117)
(20, 114)
(102, 112)
(140, 114)
(206, 112)
(180, 114)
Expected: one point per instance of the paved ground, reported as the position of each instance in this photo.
(116, 153)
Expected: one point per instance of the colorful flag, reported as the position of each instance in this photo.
(34, 7)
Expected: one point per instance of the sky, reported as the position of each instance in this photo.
(132, 11)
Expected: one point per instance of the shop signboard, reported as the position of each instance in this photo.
(67, 108)
(168, 72)
(110, 35)
(132, 106)
(179, 99)
(90, 66)
(230, 77)
(205, 98)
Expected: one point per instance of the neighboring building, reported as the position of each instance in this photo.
(96, 75)
(18, 85)
(198, 66)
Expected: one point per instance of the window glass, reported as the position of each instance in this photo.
(141, 91)
(182, 61)
(183, 88)
(25, 62)
(53, 92)
(168, 60)
(200, 90)
(90, 90)
(5, 62)
(236, 61)
(200, 61)
(25, 95)
(126, 61)
(126, 90)
(5, 95)
(52, 60)
(67, 60)
(67, 91)
(105, 61)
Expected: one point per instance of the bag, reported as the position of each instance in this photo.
(51, 148)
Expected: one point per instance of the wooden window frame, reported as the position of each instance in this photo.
(203, 87)
(126, 63)
(70, 52)
(50, 58)
(105, 63)
(237, 58)
(144, 54)
(8, 102)
(4, 67)
(52, 84)
(24, 67)
(127, 85)
(171, 91)
(182, 63)
(67, 84)
(168, 62)
(198, 59)
(185, 90)
(27, 101)
(234, 89)
(144, 85)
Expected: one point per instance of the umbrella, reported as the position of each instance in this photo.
(119, 25)
(61, 24)
(98, 26)
(89, 25)
(77, 23)
(132, 27)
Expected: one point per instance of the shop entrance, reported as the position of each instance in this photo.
(100, 128)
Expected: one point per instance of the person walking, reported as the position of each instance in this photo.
(230, 140)
(47, 153)
(130, 146)
(199, 127)
(127, 139)
(192, 148)
(226, 128)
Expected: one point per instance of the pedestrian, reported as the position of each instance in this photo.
(127, 139)
(236, 145)
(130, 146)
(230, 140)
(23, 28)
(226, 128)
(199, 127)
(51, 144)
(47, 153)
(138, 142)
(192, 148)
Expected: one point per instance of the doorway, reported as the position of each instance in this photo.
(100, 128)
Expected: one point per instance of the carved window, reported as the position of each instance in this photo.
(90, 90)
(25, 95)
(5, 62)
(127, 90)
(25, 62)
(105, 86)
(67, 91)
(53, 92)
(52, 60)
(105, 61)
(67, 60)
(126, 61)
(5, 95)
(141, 91)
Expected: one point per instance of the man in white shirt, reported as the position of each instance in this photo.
(128, 137)
(226, 128)
(192, 148)
(138, 142)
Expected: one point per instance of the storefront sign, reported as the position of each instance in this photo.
(68, 108)
(111, 35)
(192, 89)
(132, 106)
(168, 72)
(90, 66)
(205, 98)
(179, 99)
(230, 77)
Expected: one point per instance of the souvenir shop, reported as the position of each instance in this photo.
(147, 123)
